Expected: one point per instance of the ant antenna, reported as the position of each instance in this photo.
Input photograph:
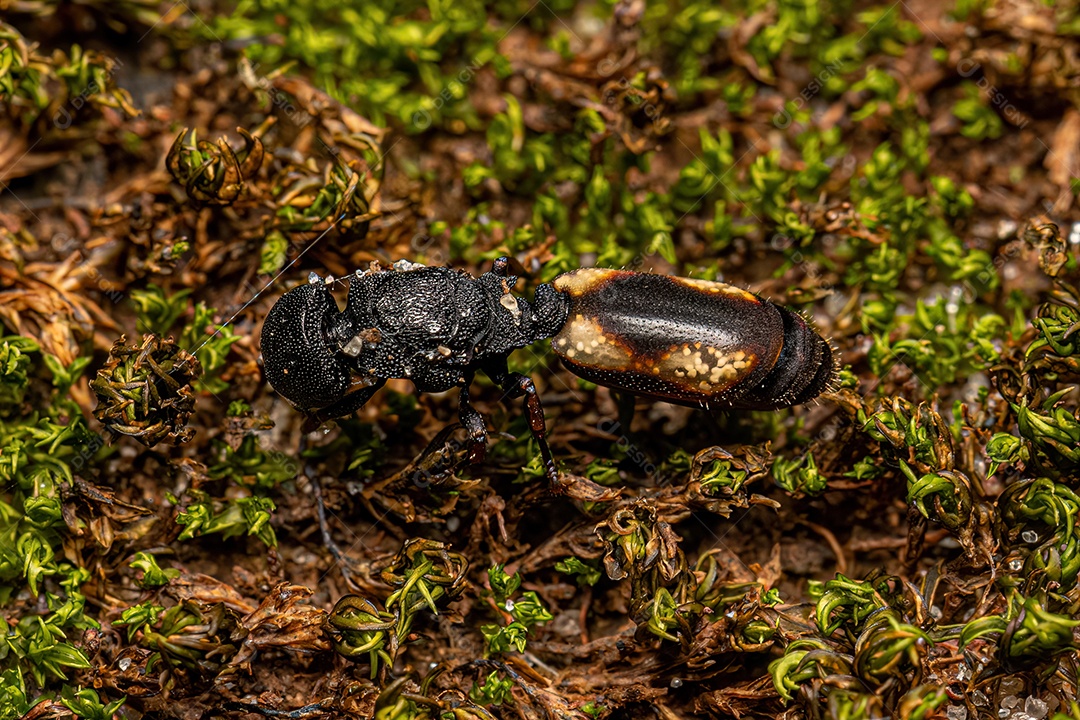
(270, 282)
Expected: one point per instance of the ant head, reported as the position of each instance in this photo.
(300, 360)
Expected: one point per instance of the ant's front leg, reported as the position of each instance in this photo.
(474, 425)
(341, 560)
(345, 406)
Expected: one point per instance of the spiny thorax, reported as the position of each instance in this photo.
(517, 322)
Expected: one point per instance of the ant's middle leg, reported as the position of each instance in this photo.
(474, 425)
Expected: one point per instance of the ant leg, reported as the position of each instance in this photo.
(340, 558)
(436, 461)
(345, 406)
(518, 385)
(474, 425)
(624, 402)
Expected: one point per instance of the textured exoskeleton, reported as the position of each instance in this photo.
(693, 342)
(433, 325)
